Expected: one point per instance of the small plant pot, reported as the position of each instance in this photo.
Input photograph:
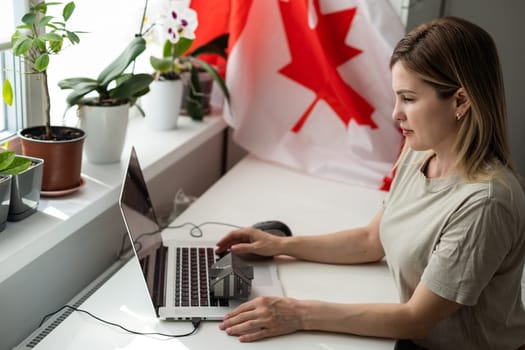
(202, 98)
(25, 191)
(5, 196)
(62, 157)
(162, 104)
(106, 128)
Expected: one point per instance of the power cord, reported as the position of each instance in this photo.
(198, 227)
(195, 231)
(195, 322)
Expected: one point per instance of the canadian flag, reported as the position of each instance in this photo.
(214, 20)
(310, 85)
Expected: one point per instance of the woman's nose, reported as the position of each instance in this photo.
(397, 113)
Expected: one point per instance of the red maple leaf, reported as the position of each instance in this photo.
(316, 54)
(387, 181)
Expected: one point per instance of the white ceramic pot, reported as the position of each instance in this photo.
(161, 104)
(105, 127)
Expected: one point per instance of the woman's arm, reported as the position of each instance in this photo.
(411, 320)
(269, 316)
(357, 245)
(353, 246)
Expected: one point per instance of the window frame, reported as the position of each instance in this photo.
(27, 102)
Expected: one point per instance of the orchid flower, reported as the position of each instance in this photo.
(174, 28)
(180, 22)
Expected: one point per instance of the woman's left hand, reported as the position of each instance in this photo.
(263, 317)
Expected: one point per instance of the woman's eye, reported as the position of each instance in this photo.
(407, 99)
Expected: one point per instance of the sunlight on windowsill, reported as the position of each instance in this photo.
(59, 217)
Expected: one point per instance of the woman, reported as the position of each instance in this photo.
(452, 228)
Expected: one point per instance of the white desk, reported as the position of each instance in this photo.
(252, 191)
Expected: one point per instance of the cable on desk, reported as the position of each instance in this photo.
(194, 227)
(198, 227)
(195, 322)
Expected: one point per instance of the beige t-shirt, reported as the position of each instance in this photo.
(466, 243)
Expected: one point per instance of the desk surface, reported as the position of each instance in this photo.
(252, 191)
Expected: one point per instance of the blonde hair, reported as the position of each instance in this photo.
(449, 53)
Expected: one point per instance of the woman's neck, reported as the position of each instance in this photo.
(441, 165)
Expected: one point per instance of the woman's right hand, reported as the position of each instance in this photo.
(249, 240)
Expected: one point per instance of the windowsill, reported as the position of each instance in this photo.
(58, 218)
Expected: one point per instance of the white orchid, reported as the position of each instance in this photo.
(180, 22)
(172, 27)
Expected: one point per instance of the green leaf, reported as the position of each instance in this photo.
(42, 62)
(29, 19)
(216, 46)
(18, 35)
(23, 26)
(54, 26)
(181, 46)
(73, 37)
(80, 89)
(21, 47)
(68, 10)
(55, 46)
(167, 49)
(119, 65)
(41, 45)
(7, 92)
(194, 99)
(51, 37)
(71, 83)
(122, 78)
(6, 158)
(44, 21)
(132, 86)
(40, 7)
(214, 74)
(161, 64)
(18, 165)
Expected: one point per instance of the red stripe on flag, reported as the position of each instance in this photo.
(240, 10)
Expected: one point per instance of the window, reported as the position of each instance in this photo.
(10, 118)
(108, 27)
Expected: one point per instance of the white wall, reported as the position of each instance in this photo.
(401, 7)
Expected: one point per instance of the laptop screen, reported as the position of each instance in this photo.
(137, 209)
(144, 231)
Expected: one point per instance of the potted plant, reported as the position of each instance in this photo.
(175, 28)
(105, 101)
(196, 96)
(26, 181)
(38, 38)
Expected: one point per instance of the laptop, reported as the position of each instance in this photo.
(175, 269)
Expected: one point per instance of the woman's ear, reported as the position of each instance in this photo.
(462, 102)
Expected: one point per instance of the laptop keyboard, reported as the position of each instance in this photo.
(192, 278)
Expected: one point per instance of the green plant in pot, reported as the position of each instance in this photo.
(196, 98)
(39, 37)
(106, 101)
(178, 65)
(26, 181)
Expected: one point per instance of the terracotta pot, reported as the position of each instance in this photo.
(62, 158)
